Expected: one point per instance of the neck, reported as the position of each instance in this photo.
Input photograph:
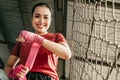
(41, 33)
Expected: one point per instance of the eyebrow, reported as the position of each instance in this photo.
(39, 14)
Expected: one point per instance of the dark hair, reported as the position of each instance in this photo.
(42, 4)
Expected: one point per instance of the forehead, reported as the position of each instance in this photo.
(42, 10)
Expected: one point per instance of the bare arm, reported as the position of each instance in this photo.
(12, 61)
(60, 49)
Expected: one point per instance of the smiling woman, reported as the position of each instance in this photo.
(53, 46)
(41, 19)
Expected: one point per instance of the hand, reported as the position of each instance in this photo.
(18, 72)
(23, 72)
(20, 39)
(29, 37)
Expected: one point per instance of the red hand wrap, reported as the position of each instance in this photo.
(31, 37)
(12, 73)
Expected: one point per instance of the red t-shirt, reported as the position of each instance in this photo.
(46, 62)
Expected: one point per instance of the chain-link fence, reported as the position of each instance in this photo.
(93, 32)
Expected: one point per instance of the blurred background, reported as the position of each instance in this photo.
(91, 27)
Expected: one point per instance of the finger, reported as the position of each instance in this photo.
(24, 70)
(20, 39)
(19, 75)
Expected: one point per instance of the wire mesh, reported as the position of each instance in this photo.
(93, 29)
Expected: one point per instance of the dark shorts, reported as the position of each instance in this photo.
(38, 76)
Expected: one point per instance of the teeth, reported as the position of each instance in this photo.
(40, 25)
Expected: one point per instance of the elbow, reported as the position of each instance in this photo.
(65, 54)
(68, 55)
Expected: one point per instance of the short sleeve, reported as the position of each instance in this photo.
(60, 38)
(16, 49)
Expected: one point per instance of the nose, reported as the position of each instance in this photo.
(41, 20)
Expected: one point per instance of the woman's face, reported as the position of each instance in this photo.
(41, 19)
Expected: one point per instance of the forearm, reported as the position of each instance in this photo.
(12, 61)
(60, 49)
(7, 69)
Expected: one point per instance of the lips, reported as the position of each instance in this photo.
(40, 26)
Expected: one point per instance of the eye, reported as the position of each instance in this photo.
(46, 17)
(37, 16)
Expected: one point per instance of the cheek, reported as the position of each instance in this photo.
(33, 22)
(49, 22)
(33, 25)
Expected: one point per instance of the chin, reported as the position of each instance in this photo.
(38, 31)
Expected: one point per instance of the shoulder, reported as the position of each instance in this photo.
(16, 49)
(59, 34)
(59, 37)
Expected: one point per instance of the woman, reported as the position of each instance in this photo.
(53, 46)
